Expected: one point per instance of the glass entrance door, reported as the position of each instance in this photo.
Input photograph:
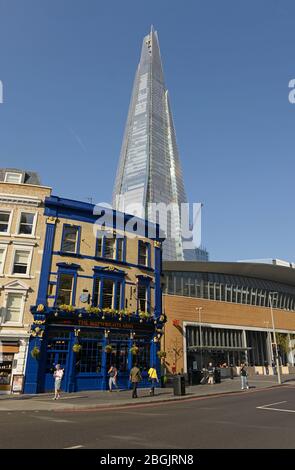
(119, 357)
(58, 344)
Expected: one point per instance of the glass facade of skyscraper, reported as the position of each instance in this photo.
(149, 169)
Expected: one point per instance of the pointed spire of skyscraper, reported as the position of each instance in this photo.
(149, 169)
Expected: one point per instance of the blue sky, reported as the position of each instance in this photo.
(67, 68)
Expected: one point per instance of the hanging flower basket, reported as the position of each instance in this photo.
(163, 318)
(77, 348)
(35, 353)
(108, 349)
(134, 350)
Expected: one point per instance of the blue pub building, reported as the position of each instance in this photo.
(99, 300)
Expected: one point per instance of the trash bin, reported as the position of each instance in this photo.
(179, 385)
(217, 376)
(196, 377)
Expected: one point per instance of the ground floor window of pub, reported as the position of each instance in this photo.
(89, 358)
(120, 349)
(143, 356)
(57, 349)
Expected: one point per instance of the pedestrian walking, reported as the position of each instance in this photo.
(135, 378)
(244, 377)
(153, 377)
(113, 375)
(211, 371)
(57, 375)
(204, 377)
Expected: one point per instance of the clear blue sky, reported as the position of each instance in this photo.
(67, 67)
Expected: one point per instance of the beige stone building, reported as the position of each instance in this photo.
(22, 229)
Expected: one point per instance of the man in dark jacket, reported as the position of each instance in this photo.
(135, 378)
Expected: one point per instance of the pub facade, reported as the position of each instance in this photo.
(99, 301)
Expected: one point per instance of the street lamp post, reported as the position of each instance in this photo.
(200, 333)
(274, 336)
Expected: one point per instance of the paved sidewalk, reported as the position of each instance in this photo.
(99, 400)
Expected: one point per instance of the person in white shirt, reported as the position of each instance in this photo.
(58, 375)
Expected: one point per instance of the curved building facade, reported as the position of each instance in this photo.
(228, 313)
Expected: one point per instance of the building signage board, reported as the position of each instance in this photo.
(103, 324)
(17, 383)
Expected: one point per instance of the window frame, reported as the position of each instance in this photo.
(139, 299)
(10, 211)
(145, 282)
(58, 285)
(114, 247)
(78, 240)
(124, 241)
(102, 254)
(21, 308)
(28, 249)
(7, 173)
(31, 235)
(71, 270)
(119, 283)
(113, 295)
(97, 240)
(5, 247)
(148, 253)
(15, 288)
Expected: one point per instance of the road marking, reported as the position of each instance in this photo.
(278, 409)
(54, 420)
(147, 414)
(275, 409)
(142, 442)
(269, 407)
(74, 447)
(270, 404)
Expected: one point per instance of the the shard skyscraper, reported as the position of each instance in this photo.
(149, 169)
